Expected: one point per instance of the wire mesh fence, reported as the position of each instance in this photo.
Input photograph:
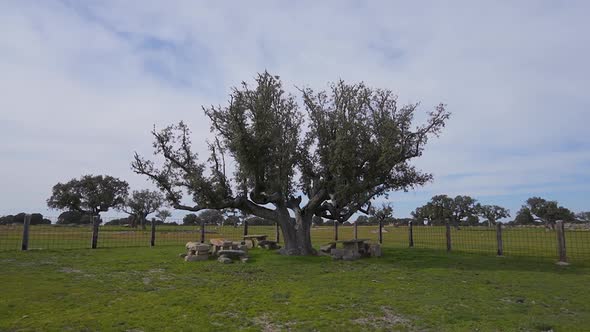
(536, 242)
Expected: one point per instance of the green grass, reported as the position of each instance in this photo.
(528, 242)
(152, 289)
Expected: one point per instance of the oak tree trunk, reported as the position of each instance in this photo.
(296, 235)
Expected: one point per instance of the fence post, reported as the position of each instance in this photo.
(95, 222)
(203, 231)
(561, 243)
(448, 226)
(356, 230)
(499, 239)
(26, 224)
(245, 227)
(380, 231)
(411, 233)
(277, 233)
(335, 230)
(153, 239)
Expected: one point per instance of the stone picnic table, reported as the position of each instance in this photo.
(350, 249)
(357, 245)
(255, 239)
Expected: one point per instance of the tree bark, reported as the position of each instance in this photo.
(296, 234)
(142, 221)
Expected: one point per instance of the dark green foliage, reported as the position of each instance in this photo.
(74, 217)
(142, 203)
(232, 220)
(191, 219)
(119, 221)
(383, 214)
(358, 146)
(317, 220)
(89, 194)
(548, 211)
(212, 217)
(524, 217)
(36, 219)
(492, 213)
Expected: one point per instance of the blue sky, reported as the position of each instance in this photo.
(83, 83)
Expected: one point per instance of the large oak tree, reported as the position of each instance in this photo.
(89, 195)
(328, 158)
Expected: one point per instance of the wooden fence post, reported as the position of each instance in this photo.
(561, 243)
(245, 227)
(26, 225)
(499, 239)
(380, 231)
(203, 231)
(335, 230)
(411, 233)
(448, 226)
(153, 239)
(95, 222)
(277, 233)
(356, 230)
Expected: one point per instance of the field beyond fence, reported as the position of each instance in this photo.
(534, 242)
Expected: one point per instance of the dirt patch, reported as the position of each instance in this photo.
(69, 270)
(266, 324)
(387, 319)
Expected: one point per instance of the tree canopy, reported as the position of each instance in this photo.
(493, 212)
(345, 147)
(460, 210)
(89, 195)
(548, 211)
(142, 203)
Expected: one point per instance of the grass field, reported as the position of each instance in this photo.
(152, 289)
(529, 242)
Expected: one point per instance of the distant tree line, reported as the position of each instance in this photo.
(36, 219)
(90, 195)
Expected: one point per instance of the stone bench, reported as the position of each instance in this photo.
(227, 256)
(267, 244)
(196, 252)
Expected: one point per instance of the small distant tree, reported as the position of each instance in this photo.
(142, 203)
(163, 214)
(439, 210)
(212, 217)
(89, 195)
(191, 219)
(548, 211)
(524, 217)
(492, 213)
(383, 214)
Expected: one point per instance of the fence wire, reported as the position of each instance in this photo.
(535, 242)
